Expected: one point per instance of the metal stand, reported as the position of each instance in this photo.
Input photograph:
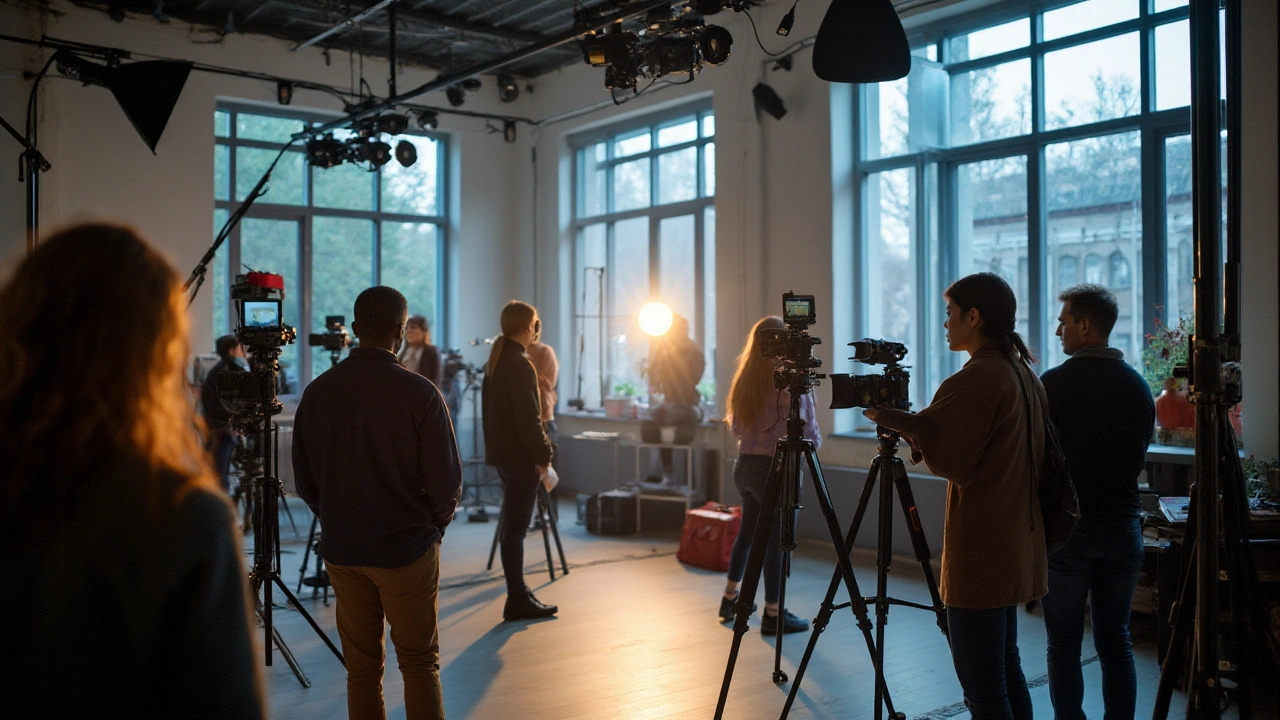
(478, 511)
(888, 470)
(266, 489)
(780, 504)
(547, 519)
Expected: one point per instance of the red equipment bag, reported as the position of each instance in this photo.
(708, 535)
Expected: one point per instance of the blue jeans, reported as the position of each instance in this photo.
(1099, 563)
(749, 475)
(984, 648)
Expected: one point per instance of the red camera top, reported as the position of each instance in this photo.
(269, 281)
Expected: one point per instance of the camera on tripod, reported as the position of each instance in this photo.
(259, 298)
(792, 346)
(890, 389)
(334, 339)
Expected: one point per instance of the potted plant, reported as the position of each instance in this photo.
(620, 403)
(1167, 348)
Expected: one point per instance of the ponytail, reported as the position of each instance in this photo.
(494, 353)
(516, 317)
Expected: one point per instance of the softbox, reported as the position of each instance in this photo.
(146, 91)
(861, 41)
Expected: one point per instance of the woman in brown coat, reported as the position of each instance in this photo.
(975, 434)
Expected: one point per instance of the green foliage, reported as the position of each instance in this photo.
(707, 389)
(624, 389)
(1255, 477)
(1166, 348)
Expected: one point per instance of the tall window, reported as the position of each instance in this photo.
(1043, 141)
(644, 221)
(330, 232)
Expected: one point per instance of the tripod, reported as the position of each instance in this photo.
(478, 511)
(543, 512)
(1255, 647)
(887, 469)
(321, 578)
(780, 504)
(266, 489)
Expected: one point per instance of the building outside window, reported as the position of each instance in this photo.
(1046, 142)
(330, 232)
(644, 229)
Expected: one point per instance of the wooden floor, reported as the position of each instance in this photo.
(638, 637)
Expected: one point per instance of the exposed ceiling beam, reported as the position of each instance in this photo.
(427, 15)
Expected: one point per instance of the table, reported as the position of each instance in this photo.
(685, 493)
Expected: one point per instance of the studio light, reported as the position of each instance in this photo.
(284, 92)
(406, 153)
(428, 119)
(456, 95)
(508, 88)
(374, 152)
(655, 319)
(715, 44)
(788, 20)
(861, 41)
(509, 131)
(391, 124)
(147, 91)
(767, 100)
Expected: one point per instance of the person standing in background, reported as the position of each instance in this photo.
(1103, 409)
(418, 354)
(221, 439)
(544, 361)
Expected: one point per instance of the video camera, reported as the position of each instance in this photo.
(889, 389)
(673, 41)
(792, 346)
(259, 299)
(334, 338)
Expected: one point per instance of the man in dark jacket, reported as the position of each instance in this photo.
(1103, 409)
(216, 416)
(375, 458)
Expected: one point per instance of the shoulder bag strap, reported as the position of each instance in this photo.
(1031, 455)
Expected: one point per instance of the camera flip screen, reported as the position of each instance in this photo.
(798, 308)
(261, 313)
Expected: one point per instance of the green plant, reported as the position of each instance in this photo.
(624, 389)
(1165, 349)
(1255, 477)
(707, 389)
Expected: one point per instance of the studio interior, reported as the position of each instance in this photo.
(649, 179)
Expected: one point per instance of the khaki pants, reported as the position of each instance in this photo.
(409, 599)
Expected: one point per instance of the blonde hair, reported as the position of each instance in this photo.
(92, 369)
(516, 317)
(753, 379)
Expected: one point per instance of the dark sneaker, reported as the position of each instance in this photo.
(790, 624)
(726, 608)
(526, 607)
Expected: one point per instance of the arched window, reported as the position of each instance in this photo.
(1068, 271)
(1119, 270)
(1093, 269)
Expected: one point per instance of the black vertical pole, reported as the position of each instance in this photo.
(391, 47)
(1231, 270)
(1206, 350)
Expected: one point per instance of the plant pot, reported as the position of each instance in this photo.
(618, 407)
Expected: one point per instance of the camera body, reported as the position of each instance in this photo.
(890, 389)
(673, 41)
(259, 299)
(792, 347)
(335, 338)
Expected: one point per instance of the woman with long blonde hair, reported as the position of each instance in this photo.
(757, 413)
(516, 444)
(125, 592)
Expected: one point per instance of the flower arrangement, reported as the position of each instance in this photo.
(1166, 348)
(1257, 472)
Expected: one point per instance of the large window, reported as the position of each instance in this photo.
(330, 232)
(644, 223)
(1044, 141)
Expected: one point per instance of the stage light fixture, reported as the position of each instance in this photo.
(391, 123)
(509, 131)
(427, 119)
(655, 319)
(508, 88)
(406, 153)
(715, 43)
(861, 41)
(788, 20)
(374, 152)
(146, 91)
(767, 100)
(456, 95)
(284, 92)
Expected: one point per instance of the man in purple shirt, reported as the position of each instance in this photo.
(375, 458)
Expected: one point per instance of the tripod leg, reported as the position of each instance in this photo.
(751, 578)
(918, 541)
(1183, 616)
(284, 502)
(497, 534)
(857, 602)
(289, 659)
(306, 554)
(555, 532)
(828, 608)
(310, 620)
(545, 517)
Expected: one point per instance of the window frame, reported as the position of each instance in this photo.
(936, 170)
(655, 211)
(304, 215)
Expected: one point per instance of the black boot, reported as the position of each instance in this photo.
(524, 606)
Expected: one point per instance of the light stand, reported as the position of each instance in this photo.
(33, 163)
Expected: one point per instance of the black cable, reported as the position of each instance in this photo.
(756, 32)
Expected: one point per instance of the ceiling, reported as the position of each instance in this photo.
(446, 35)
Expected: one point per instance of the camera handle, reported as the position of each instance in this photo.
(782, 485)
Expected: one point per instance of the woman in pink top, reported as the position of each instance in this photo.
(757, 413)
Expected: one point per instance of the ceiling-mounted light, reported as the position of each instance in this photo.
(509, 131)
(284, 92)
(374, 152)
(428, 119)
(715, 43)
(406, 153)
(147, 91)
(325, 151)
(392, 123)
(788, 20)
(767, 100)
(456, 95)
(508, 88)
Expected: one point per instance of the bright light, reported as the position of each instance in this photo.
(655, 319)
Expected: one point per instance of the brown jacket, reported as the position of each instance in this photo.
(974, 435)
